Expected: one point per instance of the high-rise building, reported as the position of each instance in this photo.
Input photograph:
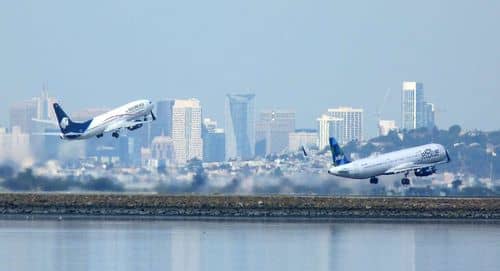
(108, 149)
(186, 130)
(209, 125)
(14, 145)
(22, 115)
(44, 105)
(302, 138)
(329, 126)
(240, 126)
(163, 150)
(352, 119)
(385, 126)
(214, 140)
(412, 105)
(163, 123)
(272, 129)
(429, 115)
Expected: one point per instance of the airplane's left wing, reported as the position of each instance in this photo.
(123, 124)
(407, 167)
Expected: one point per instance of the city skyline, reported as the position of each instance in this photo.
(313, 57)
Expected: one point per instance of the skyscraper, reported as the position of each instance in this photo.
(186, 130)
(412, 105)
(352, 119)
(299, 138)
(214, 140)
(21, 115)
(329, 126)
(163, 150)
(429, 115)
(385, 126)
(44, 105)
(163, 123)
(240, 126)
(272, 129)
(15, 145)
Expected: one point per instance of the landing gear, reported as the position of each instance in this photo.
(405, 180)
(115, 134)
(99, 136)
(374, 180)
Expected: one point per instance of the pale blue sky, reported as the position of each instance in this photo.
(303, 55)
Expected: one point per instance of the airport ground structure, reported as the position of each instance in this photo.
(62, 206)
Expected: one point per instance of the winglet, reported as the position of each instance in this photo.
(303, 151)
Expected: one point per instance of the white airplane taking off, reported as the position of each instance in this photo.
(130, 116)
(422, 160)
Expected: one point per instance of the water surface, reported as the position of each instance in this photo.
(78, 244)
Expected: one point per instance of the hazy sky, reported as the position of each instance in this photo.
(302, 55)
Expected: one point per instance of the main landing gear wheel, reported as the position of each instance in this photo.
(374, 180)
(99, 136)
(115, 134)
(405, 181)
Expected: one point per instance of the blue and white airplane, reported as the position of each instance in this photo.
(422, 160)
(130, 116)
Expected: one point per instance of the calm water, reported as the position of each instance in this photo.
(246, 245)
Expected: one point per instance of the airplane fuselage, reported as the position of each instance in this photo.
(393, 162)
(111, 120)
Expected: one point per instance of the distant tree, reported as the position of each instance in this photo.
(103, 184)
(455, 130)
(277, 172)
(6, 171)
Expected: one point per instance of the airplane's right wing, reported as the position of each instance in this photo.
(117, 125)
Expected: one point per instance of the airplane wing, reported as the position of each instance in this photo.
(123, 124)
(407, 167)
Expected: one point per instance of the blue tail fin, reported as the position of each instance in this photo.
(66, 124)
(338, 155)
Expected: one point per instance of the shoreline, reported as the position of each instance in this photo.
(147, 206)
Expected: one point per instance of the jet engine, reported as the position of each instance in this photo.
(426, 171)
(137, 126)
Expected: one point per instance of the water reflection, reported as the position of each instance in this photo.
(245, 245)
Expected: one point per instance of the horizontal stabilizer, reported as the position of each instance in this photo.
(46, 134)
(49, 122)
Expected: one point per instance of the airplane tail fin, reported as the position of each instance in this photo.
(63, 119)
(69, 128)
(338, 155)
